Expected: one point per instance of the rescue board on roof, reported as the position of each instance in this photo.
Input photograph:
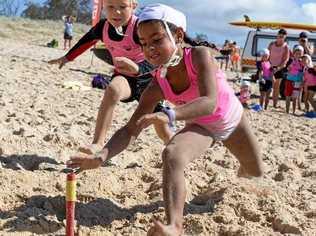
(273, 25)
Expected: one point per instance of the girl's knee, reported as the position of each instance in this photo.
(171, 157)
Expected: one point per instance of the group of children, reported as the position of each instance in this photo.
(152, 64)
(300, 81)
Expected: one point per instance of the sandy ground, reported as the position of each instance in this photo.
(42, 123)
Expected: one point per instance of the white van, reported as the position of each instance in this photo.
(258, 40)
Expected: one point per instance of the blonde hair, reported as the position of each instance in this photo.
(309, 58)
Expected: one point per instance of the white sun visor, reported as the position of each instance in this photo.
(164, 13)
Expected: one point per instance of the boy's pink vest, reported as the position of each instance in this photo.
(127, 47)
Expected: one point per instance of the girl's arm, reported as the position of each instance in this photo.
(206, 68)
(304, 78)
(261, 74)
(270, 46)
(124, 136)
(285, 58)
(128, 134)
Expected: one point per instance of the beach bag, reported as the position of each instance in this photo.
(53, 44)
(99, 81)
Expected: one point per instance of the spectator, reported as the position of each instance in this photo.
(303, 41)
(235, 56)
(68, 32)
(279, 56)
(226, 51)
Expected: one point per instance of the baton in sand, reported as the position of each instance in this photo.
(70, 203)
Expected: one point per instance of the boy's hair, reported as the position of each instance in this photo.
(132, 1)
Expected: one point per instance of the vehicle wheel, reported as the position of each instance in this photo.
(244, 69)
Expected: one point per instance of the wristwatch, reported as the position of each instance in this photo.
(171, 115)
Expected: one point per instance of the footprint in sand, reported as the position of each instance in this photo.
(20, 132)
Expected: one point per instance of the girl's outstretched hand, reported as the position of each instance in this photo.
(153, 118)
(61, 61)
(84, 162)
(125, 66)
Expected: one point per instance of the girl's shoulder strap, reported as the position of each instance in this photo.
(188, 60)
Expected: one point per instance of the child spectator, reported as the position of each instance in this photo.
(266, 79)
(294, 79)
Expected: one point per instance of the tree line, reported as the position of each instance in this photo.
(50, 9)
(56, 9)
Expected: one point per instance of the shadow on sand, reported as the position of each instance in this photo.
(44, 215)
(25, 162)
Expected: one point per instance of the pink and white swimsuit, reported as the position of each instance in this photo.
(309, 79)
(266, 70)
(296, 67)
(228, 112)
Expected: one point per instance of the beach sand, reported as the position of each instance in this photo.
(42, 123)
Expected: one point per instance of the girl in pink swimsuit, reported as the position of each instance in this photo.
(310, 84)
(190, 79)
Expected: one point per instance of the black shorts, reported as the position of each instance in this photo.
(266, 86)
(280, 74)
(140, 83)
(137, 84)
(67, 36)
(311, 88)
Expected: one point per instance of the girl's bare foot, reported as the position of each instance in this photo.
(242, 173)
(91, 149)
(160, 229)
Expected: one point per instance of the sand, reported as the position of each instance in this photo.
(42, 123)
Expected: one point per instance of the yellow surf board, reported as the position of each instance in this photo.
(274, 25)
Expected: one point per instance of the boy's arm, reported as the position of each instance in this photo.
(87, 41)
(126, 66)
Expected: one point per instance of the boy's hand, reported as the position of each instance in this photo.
(61, 61)
(125, 66)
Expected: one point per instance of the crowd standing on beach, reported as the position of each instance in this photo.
(279, 62)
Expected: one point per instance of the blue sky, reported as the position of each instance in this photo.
(211, 17)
